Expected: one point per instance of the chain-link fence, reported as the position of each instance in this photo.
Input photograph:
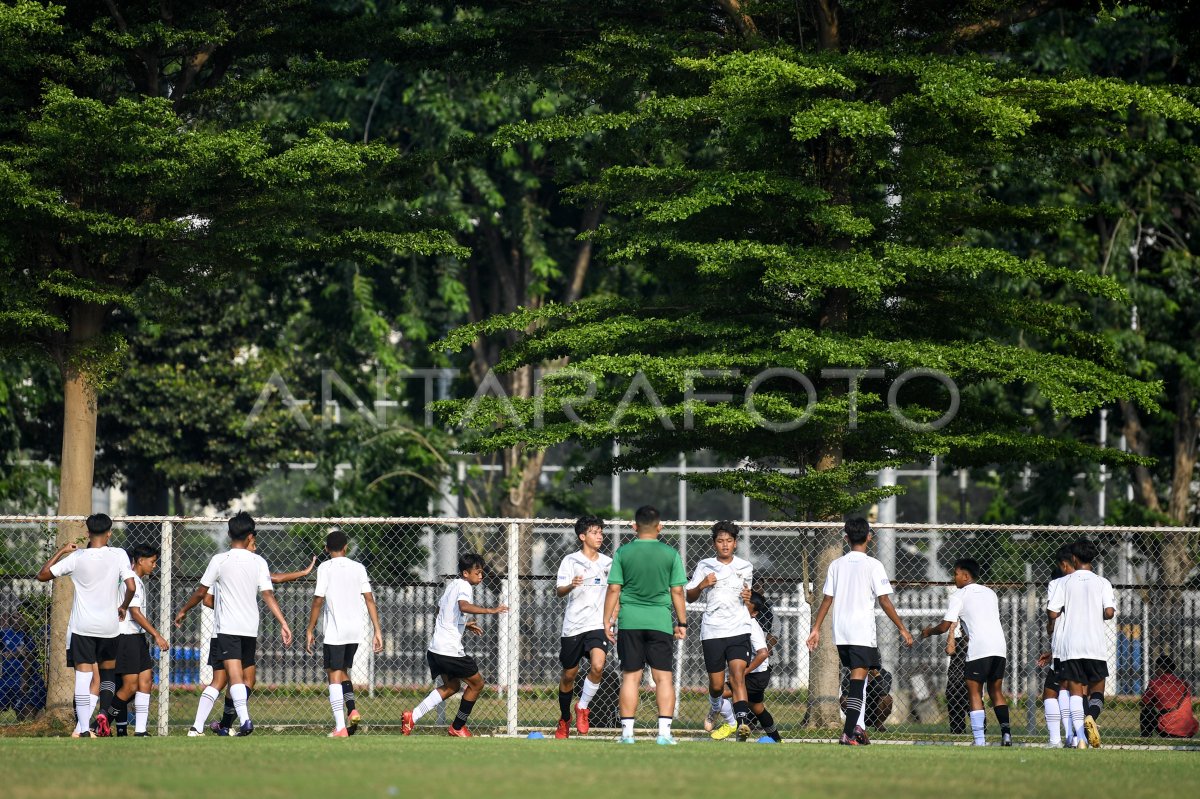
(409, 561)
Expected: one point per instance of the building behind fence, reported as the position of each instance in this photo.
(409, 560)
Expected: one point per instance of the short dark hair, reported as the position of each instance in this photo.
(725, 526)
(469, 561)
(646, 516)
(587, 522)
(336, 541)
(1164, 663)
(969, 565)
(1064, 554)
(98, 524)
(140, 551)
(857, 530)
(1084, 550)
(759, 602)
(241, 525)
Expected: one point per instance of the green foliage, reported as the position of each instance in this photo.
(812, 208)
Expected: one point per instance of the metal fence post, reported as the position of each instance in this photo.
(513, 627)
(166, 571)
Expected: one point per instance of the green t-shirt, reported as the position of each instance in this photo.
(646, 569)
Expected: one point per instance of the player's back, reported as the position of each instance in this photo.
(99, 588)
(978, 608)
(242, 575)
(342, 582)
(1084, 597)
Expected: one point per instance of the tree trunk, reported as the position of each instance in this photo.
(1178, 547)
(74, 498)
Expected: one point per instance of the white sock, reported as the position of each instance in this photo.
(427, 704)
(1064, 710)
(141, 711)
(862, 711)
(1077, 715)
(626, 728)
(664, 726)
(240, 702)
(589, 690)
(207, 699)
(1052, 721)
(977, 718)
(714, 703)
(727, 712)
(335, 702)
(83, 701)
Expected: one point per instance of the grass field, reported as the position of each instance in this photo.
(365, 767)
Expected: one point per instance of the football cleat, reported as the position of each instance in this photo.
(340, 733)
(847, 740)
(666, 740)
(195, 733)
(246, 729)
(743, 732)
(562, 730)
(1081, 744)
(103, 728)
(1092, 731)
(463, 732)
(352, 721)
(1006, 740)
(407, 723)
(122, 730)
(723, 732)
(216, 728)
(624, 740)
(861, 736)
(582, 719)
(141, 735)
(710, 720)
(88, 734)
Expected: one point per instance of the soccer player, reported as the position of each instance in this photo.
(583, 579)
(854, 582)
(343, 592)
(97, 611)
(724, 582)
(978, 607)
(646, 581)
(447, 658)
(1056, 699)
(1084, 603)
(240, 575)
(134, 666)
(219, 683)
(758, 670)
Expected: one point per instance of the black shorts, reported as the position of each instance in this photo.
(1083, 671)
(214, 655)
(719, 651)
(133, 654)
(89, 649)
(984, 670)
(1053, 676)
(756, 685)
(573, 648)
(339, 657)
(237, 647)
(859, 657)
(637, 649)
(450, 666)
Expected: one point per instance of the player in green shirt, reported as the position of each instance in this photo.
(646, 580)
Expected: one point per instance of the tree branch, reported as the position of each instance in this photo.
(1004, 19)
(741, 20)
(583, 258)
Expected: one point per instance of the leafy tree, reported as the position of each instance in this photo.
(826, 220)
(133, 164)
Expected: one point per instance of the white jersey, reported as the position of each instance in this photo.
(448, 629)
(129, 626)
(342, 582)
(1082, 601)
(585, 603)
(855, 581)
(978, 607)
(1052, 592)
(758, 640)
(99, 575)
(242, 576)
(725, 614)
